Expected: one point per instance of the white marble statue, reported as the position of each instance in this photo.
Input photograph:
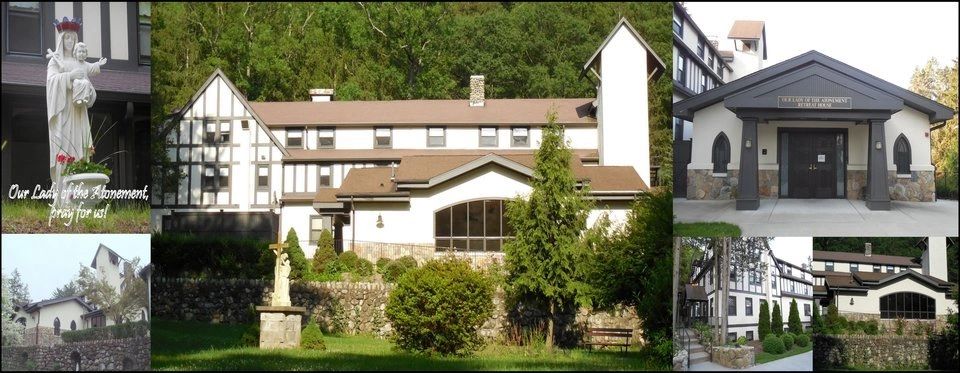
(281, 287)
(69, 95)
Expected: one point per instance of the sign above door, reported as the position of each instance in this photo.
(814, 102)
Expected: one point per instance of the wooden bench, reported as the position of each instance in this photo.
(608, 332)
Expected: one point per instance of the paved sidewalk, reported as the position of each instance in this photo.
(825, 217)
(802, 362)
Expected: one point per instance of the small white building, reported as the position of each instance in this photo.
(864, 285)
(392, 178)
(778, 282)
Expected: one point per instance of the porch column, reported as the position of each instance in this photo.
(878, 195)
(747, 193)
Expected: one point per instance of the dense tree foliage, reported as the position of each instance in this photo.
(940, 84)
(793, 320)
(388, 51)
(12, 330)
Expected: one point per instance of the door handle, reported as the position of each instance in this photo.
(814, 167)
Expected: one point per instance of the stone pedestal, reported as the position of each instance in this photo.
(280, 326)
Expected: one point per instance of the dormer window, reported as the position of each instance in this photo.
(488, 137)
(383, 137)
(436, 136)
(295, 138)
(325, 138)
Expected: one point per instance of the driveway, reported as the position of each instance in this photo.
(825, 217)
(802, 362)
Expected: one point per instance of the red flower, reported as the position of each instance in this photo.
(61, 158)
(71, 159)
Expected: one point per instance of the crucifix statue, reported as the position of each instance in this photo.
(281, 275)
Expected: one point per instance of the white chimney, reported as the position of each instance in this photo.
(477, 94)
(321, 95)
(868, 249)
(934, 258)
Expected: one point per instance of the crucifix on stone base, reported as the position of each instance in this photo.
(281, 275)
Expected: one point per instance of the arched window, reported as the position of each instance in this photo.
(56, 326)
(73, 325)
(473, 226)
(907, 305)
(721, 153)
(143, 315)
(901, 155)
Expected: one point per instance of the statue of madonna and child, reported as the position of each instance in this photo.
(70, 95)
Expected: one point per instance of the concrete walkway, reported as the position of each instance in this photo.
(802, 362)
(825, 217)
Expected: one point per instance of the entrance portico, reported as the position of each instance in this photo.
(811, 127)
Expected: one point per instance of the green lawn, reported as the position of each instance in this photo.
(33, 216)
(766, 357)
(200, 346)
(705, 230)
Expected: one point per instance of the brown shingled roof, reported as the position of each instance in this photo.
(837, 256)
(611, 178)
(570, 112)
(746, 30)
(373, 181)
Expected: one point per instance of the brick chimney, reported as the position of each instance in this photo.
(321, 95)
(476, 90)
(868, 249)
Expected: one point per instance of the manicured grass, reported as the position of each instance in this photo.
(180, 345)
(765, 357)
(33, 216)
(705, 230)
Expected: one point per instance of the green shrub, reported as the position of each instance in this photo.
(871, 327)
(311, 338)
(187, 256)
(787, 339)
(349, 260)
(776, 320)
(439, 308)
(764, 327)
(816, 323)
(251, 336)
(325, 253)
(398, 267)
(802, 340)
(125, 330)
(772, 344)
(382, 264)
(741, 341)
(833, 322)
(901, 323)
(793, 320)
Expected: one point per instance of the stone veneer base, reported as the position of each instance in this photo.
(701, 184)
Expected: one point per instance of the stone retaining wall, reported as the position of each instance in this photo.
(734, 357)
(701, 184)
(881, 352)
(40, 335)
(352, 308)
(910, 327)
(113, 354)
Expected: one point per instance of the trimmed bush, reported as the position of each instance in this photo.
(776, 320)
(125, 330)
(382, 264)
(793, 320)
(251, 336)
(764, 327)
(311, 338)
(398, 267)
(802, 340)
(772, 344)
(817, 322)
(349, 260)
(741, 341)
(325, 253)
(787, 340)
(440, 307)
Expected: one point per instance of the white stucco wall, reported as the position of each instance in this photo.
(65, 311)
(707, 124)
(870, 303)
(915, 126)
(623, 120)
(457, 137)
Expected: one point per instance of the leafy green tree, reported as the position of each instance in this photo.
(763, 328)
(12, 330)
(299, 267)
(325, 253)
(776, 320)
(793, 320)
(19, 292)
(543, 259)
(121, 304)
(940, 84)
(70, 289)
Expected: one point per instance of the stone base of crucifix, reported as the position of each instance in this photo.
(280, 326)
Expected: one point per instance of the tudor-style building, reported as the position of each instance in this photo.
(45, 320)
(118, 31)
(778, 282)
(811, 127)
(864, 285)
(392, 178)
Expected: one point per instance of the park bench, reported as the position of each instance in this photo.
(603, 342)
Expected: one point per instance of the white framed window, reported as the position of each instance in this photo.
(436, 136)
(216, 178)
(325, 138)
(520, 137)
(295, 138)
(854, 267)
(325, 176)
(263, 176)
(225, 132)
(488, 137)
(319, 223)
(210, 132)
(828, 266)
(383, 137)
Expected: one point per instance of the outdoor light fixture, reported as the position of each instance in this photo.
(748, 143)
(878, 145)
(851, 301)
(379, 221)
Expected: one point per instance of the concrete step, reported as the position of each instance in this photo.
(696, 348)
(699, 356)
(699, 360)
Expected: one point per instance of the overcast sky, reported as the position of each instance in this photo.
(794, 250)
(48, 261)
(887, 40)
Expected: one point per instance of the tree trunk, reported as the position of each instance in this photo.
(550, 328)
(676, 281)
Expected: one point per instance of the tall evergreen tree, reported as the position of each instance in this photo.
(19, 292)
(70, 289)
(299, 267)
(543, 258)
(776, 320)
(325, 253)
(793, 321)
(12, 330)
(816, 322)
(763, 328)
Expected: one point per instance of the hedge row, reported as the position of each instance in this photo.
(126, 330)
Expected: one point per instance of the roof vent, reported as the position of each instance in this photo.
(321, 95)
(868, 249)
(477, 94)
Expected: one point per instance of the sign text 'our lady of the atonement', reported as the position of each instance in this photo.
(813, 102)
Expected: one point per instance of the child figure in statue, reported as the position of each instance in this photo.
(83, 92)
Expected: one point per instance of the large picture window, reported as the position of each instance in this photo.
(721, 153)
(907, 305)
(472, 226)
(901, 155)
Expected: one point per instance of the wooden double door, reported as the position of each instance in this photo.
(814, 163)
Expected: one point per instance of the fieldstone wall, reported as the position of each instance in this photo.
(701, 184)
(373, 251)
(113, 354)
(856, 184)
(40, 335)
(911, 327)
(680, 361)
(881, 352)
(769, 183)
(920, 187)
(734, 357)
(352, 308)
